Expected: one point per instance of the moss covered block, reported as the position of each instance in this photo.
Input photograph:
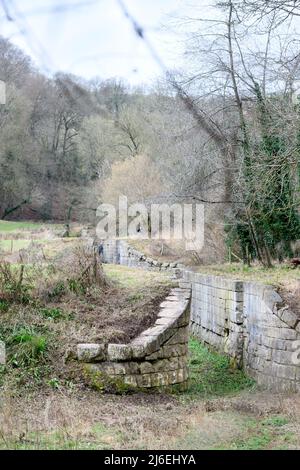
(144, 381)
(103, 382)
(159, 379)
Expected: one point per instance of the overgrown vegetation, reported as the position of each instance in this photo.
(48, 307)
(13, 287)
(270, 222)
(26, 346)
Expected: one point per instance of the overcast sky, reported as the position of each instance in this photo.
(94, 38)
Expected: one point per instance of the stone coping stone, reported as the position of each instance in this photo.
(291, 319)
(88, 352)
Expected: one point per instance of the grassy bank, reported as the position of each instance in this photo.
(279, 274)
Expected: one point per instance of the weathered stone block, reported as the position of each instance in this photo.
(159, 379)
(162, 365)
(158, 333)
(167, 321)
(119, 352)
(131, 380)
(105, 367)
(274, 343)
(281, 371)
(168, 351)
(267, 381)
(290, 318)
(175, 319)
(265, 353)
(184, 284)
(144, 345)
(91, 352)
(144, 380)
(181, 336)
(282, 333)
(146, 368)
(282, 357)
(177, 376)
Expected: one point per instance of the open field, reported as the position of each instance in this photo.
(11, 246)
(6, 226)
(10, 226)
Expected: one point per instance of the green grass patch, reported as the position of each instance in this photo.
(135, 297)
(211, 374)
(275, 421)
(26, 346)
(259, 441)
(11, 246)
(53, 313)
(134, 277)
(8, 226)
(4, 306)
(266, 434)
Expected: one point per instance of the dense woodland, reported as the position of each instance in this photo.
(223, 130)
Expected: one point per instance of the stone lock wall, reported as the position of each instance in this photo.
(217, 313)
(157, 358)
(245, 320)
(248, 321)
(272, 334)
(118, 251)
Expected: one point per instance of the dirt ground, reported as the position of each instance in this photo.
(83, 419)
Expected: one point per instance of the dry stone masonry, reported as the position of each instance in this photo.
(157, 358)
(246, 320)
(118, 251)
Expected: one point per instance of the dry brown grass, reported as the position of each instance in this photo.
(84, 419)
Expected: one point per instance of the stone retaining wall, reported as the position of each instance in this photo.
(247, 321)
(217, 313)
(157, 358)
(118, 251)
(244, 320)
